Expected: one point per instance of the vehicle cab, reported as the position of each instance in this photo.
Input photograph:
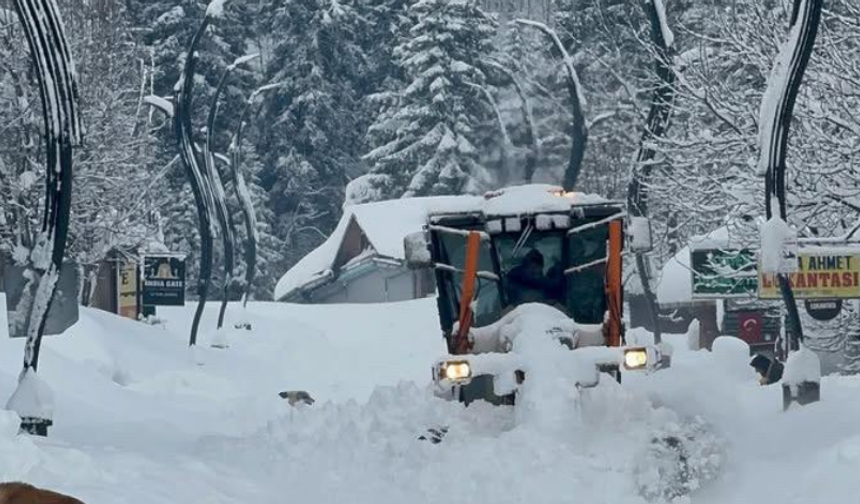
(538, 244)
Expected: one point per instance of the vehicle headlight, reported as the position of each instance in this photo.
(635, 358)
(456, 370)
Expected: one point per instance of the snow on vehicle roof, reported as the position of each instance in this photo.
(529, 199)
(535, 198)
(386, 223)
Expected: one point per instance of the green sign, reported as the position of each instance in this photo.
(719, 273)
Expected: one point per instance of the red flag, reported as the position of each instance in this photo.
(751, 325)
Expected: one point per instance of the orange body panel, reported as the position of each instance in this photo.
(473, 249)
(613, 284)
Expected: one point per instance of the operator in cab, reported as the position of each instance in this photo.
(527, 282)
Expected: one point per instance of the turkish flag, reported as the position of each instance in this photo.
(751, 325)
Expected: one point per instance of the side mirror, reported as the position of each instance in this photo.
(641, 241)
(416, 250)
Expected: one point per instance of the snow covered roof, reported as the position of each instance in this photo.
(384, 223)
(676, 282)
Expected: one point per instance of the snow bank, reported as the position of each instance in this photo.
(218, 433)
(19, 454)
(369, 452)
(639, 336)
(733, 356)
(32, 398)
(220, 338)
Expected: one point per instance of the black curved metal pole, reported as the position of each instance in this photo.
(244, 198)
(655, 127)
(221, 211)
(779, 101)
(58, 92)
(200, 184)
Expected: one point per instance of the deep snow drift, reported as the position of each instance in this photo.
(138, 420)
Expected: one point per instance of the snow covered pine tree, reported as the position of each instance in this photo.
(441, 109)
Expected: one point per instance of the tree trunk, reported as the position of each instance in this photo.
(579, 129)
(655, 127)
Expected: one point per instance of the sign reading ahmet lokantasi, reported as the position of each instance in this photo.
(821, 274)
(163, 280)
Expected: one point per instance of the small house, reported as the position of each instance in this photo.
(362, 261)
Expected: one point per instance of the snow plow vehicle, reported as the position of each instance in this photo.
(526, 260)
(530, 295)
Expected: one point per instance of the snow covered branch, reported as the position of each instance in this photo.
(579, 135)
(161, 104)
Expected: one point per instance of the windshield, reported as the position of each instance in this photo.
(586, 287)
(532, 267)
(453, 253)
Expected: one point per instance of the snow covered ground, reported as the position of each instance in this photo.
(138, 421)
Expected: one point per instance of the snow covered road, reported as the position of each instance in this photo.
(139, 422)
